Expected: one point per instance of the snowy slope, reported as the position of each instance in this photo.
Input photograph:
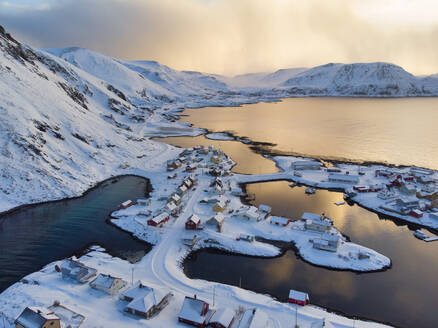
(72, 117)
(147, 78)
(361, 79)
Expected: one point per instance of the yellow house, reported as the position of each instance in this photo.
(220, 206)
(427, 195)
(37, 317)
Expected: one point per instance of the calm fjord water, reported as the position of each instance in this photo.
(398, 131)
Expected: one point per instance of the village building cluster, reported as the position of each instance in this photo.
(408, 193)
(145, 301)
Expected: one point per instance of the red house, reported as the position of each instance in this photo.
(126, 204)
(194, 312)
(416, 213)
(280, 221)
(193, 223)
(159, 219)
(300, 298)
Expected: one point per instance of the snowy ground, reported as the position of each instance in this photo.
(72, 118)
(158, 268)
(162, 266)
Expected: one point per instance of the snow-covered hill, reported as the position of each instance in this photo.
(72, 117)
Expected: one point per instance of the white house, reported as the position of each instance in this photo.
(145, 301)
(222, 318)
(316, 222)
(343, 178)
(254, 318)
(280, 221)
(107, 283)
(73, 269)
(143, 202)
(252, 214)
(306, 165)
(327, 242)
(217, 221)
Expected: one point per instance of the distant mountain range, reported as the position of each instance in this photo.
(72, 117)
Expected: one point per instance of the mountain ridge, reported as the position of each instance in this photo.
(72, 120)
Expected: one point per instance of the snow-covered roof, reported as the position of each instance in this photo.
(140, 289)
(251, 212)
(104, 281)
(306, 163)
(330, 237)
(259, 320)
(35, 317)
(310, 216)
(253, 318)
(297, 295)
(126, 203)
(160, 217)
(218, 218)
(343, 177)
(224, 316)
(175, 197)
(151, 297)
(221, 203)
(195, 219)
(171, 206)
(279, 220)
(192, 309)
(265, 208)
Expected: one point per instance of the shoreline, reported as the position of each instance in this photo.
(275, 297)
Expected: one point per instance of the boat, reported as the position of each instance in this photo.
(293, 184)
(339, 203)
(310, 190)
(420, 234)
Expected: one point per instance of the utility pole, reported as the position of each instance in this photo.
(296, 316)
(240, 282)
(132, 276)
(214, 292)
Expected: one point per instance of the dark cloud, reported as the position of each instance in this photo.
(224, 36)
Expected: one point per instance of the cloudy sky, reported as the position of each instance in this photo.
(235, 36)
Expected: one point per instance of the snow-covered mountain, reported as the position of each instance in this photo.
(72, 117)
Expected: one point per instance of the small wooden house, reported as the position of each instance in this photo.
(37, 317)
(159, 219)
(222, 318)
(416, 213)
(143, 202)
(107, 283)
(182, 190)
(195, 312)
(306, 165)
(220, 206)
(193, 223)
(217, 221)
(300, 298)
(316, 222)
(279, 221)
(146, 301)
(126, 204)
(73, 269)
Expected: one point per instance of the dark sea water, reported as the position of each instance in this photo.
(37, 235)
